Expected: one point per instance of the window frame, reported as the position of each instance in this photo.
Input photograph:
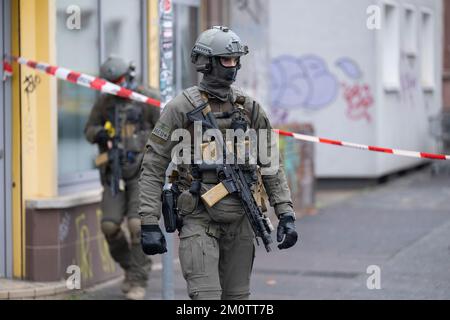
(90, 179)
(411, 42)
(428, 85)
(390, 73)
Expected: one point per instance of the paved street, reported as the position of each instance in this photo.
(402, 226)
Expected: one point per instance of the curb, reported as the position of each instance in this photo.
(34, 292)
(41, 290)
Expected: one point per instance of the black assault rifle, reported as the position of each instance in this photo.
(115, 155)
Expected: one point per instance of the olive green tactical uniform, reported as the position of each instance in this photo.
(216, 244)
(137, 120)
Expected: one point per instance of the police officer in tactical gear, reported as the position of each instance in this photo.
(129, 123)
(216, 243)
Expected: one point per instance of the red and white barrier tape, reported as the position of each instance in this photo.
(412, 154)
(108, 87)
(87, 81)
(7, 70)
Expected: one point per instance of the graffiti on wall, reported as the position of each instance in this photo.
(359, 99)
(84, 256)
(350, 68)
(30, 84)
(108, 264)
(302, 82)
(306, 82)
(357, 94)
(408, 80)
(63, 229)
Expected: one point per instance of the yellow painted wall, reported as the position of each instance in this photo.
(45, 181)
(17, 218)
(37, 41)
(34, 115)
(153, 43)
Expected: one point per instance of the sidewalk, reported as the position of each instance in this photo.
(401, 227)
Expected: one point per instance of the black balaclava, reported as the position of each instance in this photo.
(218, 80)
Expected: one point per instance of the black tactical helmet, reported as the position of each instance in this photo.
(219, 41)
(114, 68)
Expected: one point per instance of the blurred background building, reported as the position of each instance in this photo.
(365, 71)
(355, 82)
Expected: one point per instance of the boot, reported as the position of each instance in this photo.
(136, 293)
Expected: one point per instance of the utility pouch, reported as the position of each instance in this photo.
(187, 203)
(172, 221)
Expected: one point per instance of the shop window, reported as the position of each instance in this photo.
(77, 49)
(122, 29)
(106, 27)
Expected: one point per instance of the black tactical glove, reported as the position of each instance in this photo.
(152, 239)
(286, 226)
(102, 138)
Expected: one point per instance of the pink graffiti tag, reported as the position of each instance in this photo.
(359, 99)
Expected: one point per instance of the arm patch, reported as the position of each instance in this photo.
(161, 132)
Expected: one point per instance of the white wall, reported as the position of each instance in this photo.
(403, 111)
(327, 70)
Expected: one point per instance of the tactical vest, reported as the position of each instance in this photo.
(224, 121)
(134, 132)
(197, 98)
